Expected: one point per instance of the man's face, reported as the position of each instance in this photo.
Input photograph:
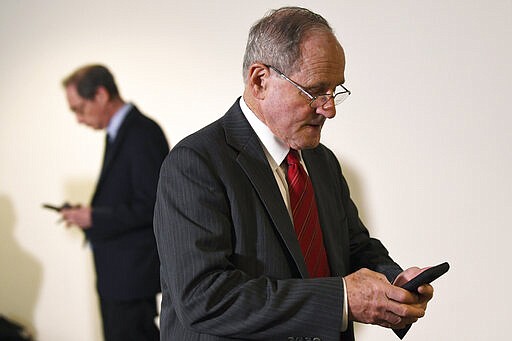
(90, 112)
(285, 111)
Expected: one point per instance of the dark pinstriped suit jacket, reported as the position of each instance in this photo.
(231, 266)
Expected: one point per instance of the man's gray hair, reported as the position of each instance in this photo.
(275, 39)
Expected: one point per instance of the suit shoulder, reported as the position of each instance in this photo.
(221, 133)
(144, 122)
(141, 131)
(324, 152)
(206, 137)
(138, 124)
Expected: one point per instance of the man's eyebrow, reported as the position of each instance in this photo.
(317, 86)
(75, 108)
(320, 88)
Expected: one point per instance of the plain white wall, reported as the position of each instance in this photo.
(424, 138)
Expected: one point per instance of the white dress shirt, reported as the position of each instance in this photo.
(117, 119)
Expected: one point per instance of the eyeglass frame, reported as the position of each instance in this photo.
(311, 97)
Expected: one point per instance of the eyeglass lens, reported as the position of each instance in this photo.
(340, 94)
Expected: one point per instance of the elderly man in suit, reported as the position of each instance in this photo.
(119, 221)
(257, 235)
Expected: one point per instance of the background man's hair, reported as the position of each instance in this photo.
(88, 78)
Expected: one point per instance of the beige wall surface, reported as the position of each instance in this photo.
(424, 139)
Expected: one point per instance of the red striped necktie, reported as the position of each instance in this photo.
(305, 217)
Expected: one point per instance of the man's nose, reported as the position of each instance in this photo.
(328, 110)
(79, 118)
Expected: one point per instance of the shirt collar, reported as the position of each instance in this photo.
(275, 148)
(116, 121)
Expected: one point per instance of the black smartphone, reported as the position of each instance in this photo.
(56, 208)
(426, 276)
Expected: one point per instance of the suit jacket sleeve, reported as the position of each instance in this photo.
(365, 251)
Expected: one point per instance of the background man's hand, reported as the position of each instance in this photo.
(77, 215)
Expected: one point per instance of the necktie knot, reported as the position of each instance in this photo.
(292, 158)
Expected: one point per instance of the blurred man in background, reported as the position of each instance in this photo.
(119, 221)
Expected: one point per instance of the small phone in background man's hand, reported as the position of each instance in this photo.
(57, 208)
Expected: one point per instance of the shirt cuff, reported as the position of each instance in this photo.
(344, 318)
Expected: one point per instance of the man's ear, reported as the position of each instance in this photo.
(257, 80)
(102, 95)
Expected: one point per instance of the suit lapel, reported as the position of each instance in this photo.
(252, 159)
(115, 146)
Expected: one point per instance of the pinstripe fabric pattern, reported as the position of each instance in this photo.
(305, 217)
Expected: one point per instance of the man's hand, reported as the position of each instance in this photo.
(425, 291)
(77, 215)
(406, 275)
(372, 299)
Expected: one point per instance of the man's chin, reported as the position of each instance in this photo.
(307, 143)
(311, 145)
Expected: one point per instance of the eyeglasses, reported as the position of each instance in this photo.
(339, 94)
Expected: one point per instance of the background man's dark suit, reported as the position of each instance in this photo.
(229, 252)
(122, 236)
